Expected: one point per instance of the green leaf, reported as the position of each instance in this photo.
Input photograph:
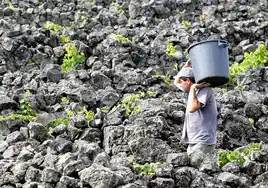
(11, 5)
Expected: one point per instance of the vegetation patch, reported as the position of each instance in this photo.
(253, 59)
(25, 113)
(72, 57)
(121, 39)
(239, 156)
(145, 169)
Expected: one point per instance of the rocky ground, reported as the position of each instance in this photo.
(86, 127)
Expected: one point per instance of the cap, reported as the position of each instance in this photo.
(185, 72)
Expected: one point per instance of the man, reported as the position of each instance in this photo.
(200, 123)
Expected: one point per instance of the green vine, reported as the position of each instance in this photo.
(64, 38)
(130, 104)
(121, 39)
(202, 18)
(170, 50)
(118, 8)
(52, 26)
(225, 156)
(11, 5)
(145, 169)
(72, 57)
(252, 59)
(186, 23)
(25, 113)
(166, 79)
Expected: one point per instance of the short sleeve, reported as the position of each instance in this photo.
(203, 96)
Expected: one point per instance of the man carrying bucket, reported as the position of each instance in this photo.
(199, 130)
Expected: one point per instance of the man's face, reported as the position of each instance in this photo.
(185, 84)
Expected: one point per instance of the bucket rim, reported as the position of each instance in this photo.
(204, 41)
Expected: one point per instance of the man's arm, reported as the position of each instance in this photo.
(193, 103)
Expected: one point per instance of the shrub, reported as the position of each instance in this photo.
(225, 156)
(25, 113)
(52, 26)
(121, 39)
(72, 57)
(170, 50)
(186, 23)
(252, 59)
(145, 169)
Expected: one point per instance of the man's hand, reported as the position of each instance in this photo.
(187, 64)
(201, 85)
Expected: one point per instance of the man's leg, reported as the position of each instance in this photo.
(199, 153)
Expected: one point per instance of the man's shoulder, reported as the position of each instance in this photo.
(205, 90)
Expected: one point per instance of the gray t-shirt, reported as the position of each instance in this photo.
(200, 126)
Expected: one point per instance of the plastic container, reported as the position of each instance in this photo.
(210, 62)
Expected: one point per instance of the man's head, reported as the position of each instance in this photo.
(184, 79)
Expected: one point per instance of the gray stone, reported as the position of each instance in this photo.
(59, 51)
(164, 170)
(45, 118)
(88, 96)
(99, 176)
(63, 160)
(183, 177)
(73, 132)
(11, 151)
(14, 137)
(162, 183)
(126, 174)
(110, 99)
(3, 70)
(178, 159)
(228, 178)
(261, 178)
(249, 48)
(66, 181)
(24, 132)
(62, 145)
(3, 146)
(54, 75)
(53, 72)
(7, 103)
(25, 155)
(50, 160)
(252, 168)
(33, 174)
(50, 175)
(37, 131)
(92, 135)
(60, 129)
(252, 110)
(7, 43)
(231, 167)
(103, 159)
(5, 166)
(132, 185)
(8, 178)
(85, 150)
(149, 149)
(80, 121)
(99, 80)
(73, 168)
(4, 129)
(237, 126)
(120, 159)
(112, 118)
(38, 159)
(111, 134)
(19, 170)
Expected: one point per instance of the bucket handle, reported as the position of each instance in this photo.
(222, 44)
